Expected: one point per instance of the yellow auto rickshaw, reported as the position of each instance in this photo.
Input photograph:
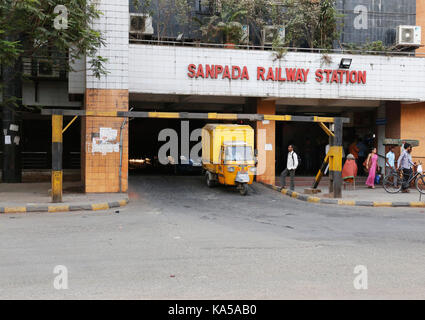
(228, 155)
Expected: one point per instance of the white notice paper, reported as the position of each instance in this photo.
(7, 140)
(268, 147)
(14, 127)
(16, 140)
(108, 134)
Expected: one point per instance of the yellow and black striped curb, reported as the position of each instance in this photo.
(64, 207)
(345, 202)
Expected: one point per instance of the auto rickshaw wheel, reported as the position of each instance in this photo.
(210, 182)
(243, 189)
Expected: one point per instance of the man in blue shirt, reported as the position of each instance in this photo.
(390, 161)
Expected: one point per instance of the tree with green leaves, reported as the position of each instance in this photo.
(312, 24)
(224, 23)
(34, 28)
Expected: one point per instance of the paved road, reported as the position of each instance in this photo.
(180, 240)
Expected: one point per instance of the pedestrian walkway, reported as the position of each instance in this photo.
(362, 195)
(34, 197)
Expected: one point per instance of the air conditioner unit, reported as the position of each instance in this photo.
(140, 24)
(40, 68)
(408, 36)
(270, 33)
(47, 69)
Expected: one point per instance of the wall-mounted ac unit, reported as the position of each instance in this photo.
(270, 33)
(140, 24)
(40, 68)
(408, 36)
(47, 69)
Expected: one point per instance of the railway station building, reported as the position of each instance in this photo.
(382, 94)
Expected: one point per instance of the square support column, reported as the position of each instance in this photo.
(266, 143)
(102, 160)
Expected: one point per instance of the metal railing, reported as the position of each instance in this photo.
(269, 47)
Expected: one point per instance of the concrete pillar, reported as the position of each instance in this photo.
(392, 127)
(100, 139)
(57, 150)
(380, 135)
(266, 143)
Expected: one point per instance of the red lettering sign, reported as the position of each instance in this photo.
(279, 74)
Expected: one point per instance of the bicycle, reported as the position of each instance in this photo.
(393, 182)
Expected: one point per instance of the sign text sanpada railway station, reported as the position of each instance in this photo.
(207, 71)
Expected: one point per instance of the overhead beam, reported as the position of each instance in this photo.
(191, 115)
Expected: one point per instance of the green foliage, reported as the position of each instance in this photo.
(374, 47)
(224, 24)
(279, 51)
(315, 23)
(27, 29)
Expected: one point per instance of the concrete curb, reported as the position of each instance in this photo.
(64, 207)
(344, 202)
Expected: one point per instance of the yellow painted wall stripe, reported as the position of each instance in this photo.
(100, 206)
(15, 209)
(58, 208)
(346, 202)
(382, 204)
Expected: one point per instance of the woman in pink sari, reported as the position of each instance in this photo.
(371, 165)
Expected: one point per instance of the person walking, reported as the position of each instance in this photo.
(371, 164)
(291, 166)
(390, 161)
(405, 164)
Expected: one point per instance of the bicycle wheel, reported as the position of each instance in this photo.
(420, 183)
(392, 183)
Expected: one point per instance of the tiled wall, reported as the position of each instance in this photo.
(164, 70)
(101, 169)
(266, 158)
(113, 24)
(101, 157)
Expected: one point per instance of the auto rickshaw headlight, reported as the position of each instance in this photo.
(230, 169)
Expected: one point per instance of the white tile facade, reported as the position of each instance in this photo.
(164, 70)
(114, 27)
